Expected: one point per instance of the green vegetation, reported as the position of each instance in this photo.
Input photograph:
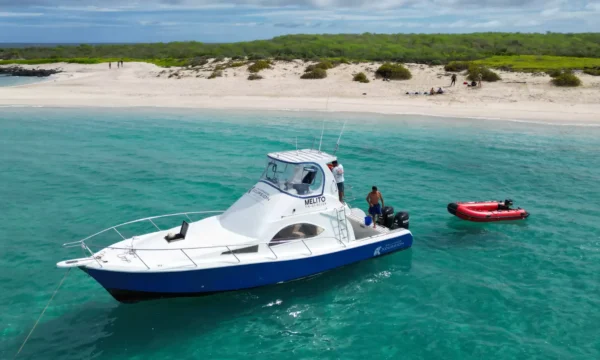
(476, 70)
(325, 65)
(554, 73)
(566, 79)
(254, 77)
(420, 48)
(457, 66)
(315, 74)
(533, 63)
(393, 72)
(234, 64)
(259, 65)
(593, 72)
(215, 74)
(361, 77)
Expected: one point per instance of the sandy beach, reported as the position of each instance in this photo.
(518, 96)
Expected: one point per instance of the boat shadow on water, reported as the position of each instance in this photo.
(112, 329)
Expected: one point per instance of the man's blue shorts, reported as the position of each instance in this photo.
(375, 209)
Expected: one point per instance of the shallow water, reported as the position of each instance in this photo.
(464, 291)
(19, 80)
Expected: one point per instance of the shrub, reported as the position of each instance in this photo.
(486, 74)
(216, 73)
(325, 65)
(456, 66)
(593, 72)
(566, 79)
(284, 57)
(393, 72)
(259, 65)
(361, 77)
(254, 77)
(219, 58)
(257, 56)
(554, 73)
(236, 64)
(315, 74)
(198, 61)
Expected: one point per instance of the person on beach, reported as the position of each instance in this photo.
(109, 65)
(338, 174)
(431, 92)
(374, 207)
(118, 64)
(440, 91)
(453, 80)
(480, 77)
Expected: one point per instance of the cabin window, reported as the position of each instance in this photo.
(304, 179)
(296, 232)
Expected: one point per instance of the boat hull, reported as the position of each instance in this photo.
(137, 286)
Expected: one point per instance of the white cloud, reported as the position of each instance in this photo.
(593, 6)
(19, 14)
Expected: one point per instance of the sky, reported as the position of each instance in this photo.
(114, 21)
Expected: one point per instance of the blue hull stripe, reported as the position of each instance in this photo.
(242, 276)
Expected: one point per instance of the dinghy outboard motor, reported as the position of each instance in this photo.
(506, 205)
(401, 220)
(387, 217)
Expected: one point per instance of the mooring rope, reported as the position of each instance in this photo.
(42, 314)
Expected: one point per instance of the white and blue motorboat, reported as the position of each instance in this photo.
(289, 225)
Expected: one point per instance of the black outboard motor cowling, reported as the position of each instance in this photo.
(401, 220)
(387, 217)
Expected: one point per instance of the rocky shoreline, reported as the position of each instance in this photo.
(19, 71)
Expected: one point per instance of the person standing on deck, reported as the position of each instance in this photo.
(374, 208)
(338, 174)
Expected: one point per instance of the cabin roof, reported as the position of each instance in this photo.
(305, 155)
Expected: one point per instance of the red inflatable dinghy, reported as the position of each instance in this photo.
(487, 211)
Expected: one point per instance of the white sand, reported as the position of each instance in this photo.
(517, 97)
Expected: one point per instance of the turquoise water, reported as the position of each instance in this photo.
(528, 290)
(19, 80)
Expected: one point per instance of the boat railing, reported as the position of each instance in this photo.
(150, 219)
(230, 250)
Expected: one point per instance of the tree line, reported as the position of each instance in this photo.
(432, 49)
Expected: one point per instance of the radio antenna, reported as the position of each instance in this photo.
(337, 145)
(322, 130)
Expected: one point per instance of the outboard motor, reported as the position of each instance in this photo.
(506, 205)
(387, 217)
(401, 220)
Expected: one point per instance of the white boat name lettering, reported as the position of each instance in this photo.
(388, 247)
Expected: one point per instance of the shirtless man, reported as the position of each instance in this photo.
(374, 208)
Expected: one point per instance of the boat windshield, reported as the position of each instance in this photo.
(304, 179)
